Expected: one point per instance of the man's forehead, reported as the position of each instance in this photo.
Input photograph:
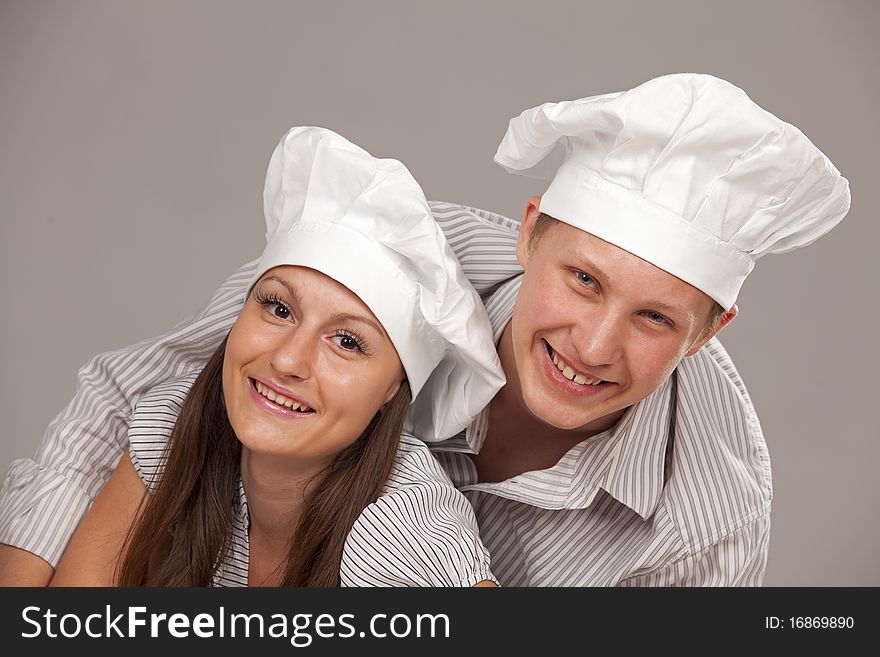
(619, 270)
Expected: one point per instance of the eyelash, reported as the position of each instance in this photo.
(272, 299)
(663, 320)
(358, 340)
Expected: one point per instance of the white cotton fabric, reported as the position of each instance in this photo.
(678, 494)
(684, 171)
(365, 222)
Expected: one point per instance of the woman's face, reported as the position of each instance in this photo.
(306, 368)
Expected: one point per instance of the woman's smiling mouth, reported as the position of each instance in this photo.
(276, 402)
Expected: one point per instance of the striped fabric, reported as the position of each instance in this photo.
(420, 532)
(676, 494)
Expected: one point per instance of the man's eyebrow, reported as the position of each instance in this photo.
(592, 266)
(668, 308)
(605, 280)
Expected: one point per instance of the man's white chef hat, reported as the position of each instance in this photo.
(364, 222)
(684, 171)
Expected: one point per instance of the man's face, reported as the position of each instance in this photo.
(589, 311)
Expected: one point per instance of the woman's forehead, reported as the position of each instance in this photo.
(313, 289)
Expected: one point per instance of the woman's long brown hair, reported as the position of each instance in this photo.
(184, 530)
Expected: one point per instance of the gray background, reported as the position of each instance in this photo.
(134, 139)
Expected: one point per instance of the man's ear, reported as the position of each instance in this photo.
(527, 225)
(725, 319)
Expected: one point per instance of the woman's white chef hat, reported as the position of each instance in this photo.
(364, 222)
(684, 171)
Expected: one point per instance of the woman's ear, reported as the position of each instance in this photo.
(392, 391)
(527, 225)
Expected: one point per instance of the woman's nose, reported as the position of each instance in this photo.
(294, 353)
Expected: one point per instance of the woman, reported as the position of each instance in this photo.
(285, 465)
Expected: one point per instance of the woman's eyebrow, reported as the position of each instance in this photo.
(335, 317)
(290, 289)
(348, 317)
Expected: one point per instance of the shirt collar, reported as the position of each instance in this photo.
(240, 505)
(233, 569)
(636, 473)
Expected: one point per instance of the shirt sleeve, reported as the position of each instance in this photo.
(483, 242)
(420, 532)
(739, 559)
(151, 424)
(43, 499)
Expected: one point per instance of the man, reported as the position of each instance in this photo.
(624, 449)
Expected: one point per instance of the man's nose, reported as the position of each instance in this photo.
(599, 339)
(295, 352)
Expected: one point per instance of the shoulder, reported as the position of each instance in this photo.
(710, 387)
(452, 217)
(420, 532)
(709, 383)
(719, 478)
(152, 422)
(418, 489)
(414, 466)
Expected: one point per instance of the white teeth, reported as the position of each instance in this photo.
(281, 400)
(571, 375)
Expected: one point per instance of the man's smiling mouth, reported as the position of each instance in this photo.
(568, 372)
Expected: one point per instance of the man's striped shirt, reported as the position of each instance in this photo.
(677, 493)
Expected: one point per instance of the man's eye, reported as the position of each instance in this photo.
(657, 318)
(586, 279)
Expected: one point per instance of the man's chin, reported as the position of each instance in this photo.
(551, 413)
(548, 412)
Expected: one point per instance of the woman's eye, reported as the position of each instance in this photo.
(280, 310)
(348, 342)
